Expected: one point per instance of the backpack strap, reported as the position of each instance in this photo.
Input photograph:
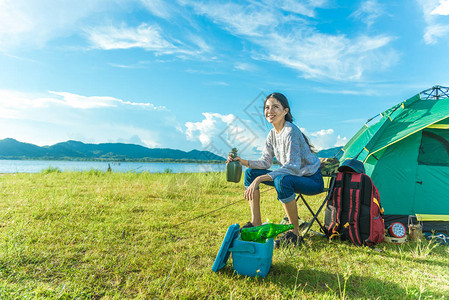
(336, 204)
(376, 199)
(354, 208)
(378, 205)
(377, 226)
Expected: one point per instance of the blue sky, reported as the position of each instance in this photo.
(188, 74)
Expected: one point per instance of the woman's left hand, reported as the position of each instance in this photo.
(249, 192)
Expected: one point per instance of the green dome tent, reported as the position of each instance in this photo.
(406, 153)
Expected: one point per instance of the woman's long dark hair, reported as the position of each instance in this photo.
(288, 117)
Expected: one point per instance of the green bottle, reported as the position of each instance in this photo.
(233, 168)
(261, 233)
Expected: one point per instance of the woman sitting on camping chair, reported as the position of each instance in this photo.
(299, 171)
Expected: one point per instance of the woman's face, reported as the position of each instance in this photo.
(274, 111)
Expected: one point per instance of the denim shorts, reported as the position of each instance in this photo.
(287, 185)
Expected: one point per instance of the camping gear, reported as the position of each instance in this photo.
(353, 211)
(233, 168)
(414, 228)
(352, 165)
(395, 240)
(414, 232)
(329, 166)
(248, 258)
(406, 153)
(259, 234)
(397, 230)
(439, 237)
(396, 233)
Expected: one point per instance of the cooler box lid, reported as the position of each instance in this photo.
(224, 253)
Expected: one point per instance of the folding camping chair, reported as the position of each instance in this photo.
(328, 169)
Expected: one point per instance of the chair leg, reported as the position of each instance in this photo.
(313, 214)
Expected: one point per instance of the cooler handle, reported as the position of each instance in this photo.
(243, 248)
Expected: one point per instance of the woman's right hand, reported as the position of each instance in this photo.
(230, 158)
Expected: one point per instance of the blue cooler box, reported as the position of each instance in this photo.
(248, 258)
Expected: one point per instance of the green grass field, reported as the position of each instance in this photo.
(92, 235)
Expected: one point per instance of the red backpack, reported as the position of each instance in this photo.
(353, 211)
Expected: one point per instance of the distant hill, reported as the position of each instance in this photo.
(73, 150)
(331, 152)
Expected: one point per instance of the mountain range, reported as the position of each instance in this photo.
(331, 152)
(74, 150)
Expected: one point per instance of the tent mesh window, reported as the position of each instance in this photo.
(434, 148)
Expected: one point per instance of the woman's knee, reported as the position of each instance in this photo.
(318, 183)
(250, 175)
(313, 185)
(278, 181)
(284, 187)
(289, 184)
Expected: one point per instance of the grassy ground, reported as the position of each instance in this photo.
(113, 235)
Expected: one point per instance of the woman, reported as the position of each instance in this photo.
(299, 171)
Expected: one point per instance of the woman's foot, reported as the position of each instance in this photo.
(248, 225)
(288, 239)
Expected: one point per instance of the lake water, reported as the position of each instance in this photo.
(36, 166)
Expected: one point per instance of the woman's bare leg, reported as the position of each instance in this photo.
(292, 213)
(256, 219)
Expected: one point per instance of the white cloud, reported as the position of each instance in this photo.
(21, 100)
(297, 7)
(144, 36)
(7, 113)
(158, 8)
(442, 9)
(138, 65)
(281, 31)
(434, 13)
(219, 133)
(304, 8)
(77, 101)
(14, 101)
(296, 43)
(199, 42)
(34, 23)
(341, 141)
(207, 128)
(324, 138)
(323, 132)
(337, 57)
(434, 32)
(239, 19)
(58, 116)
(202, 130)
(243, 66)
(427, 7)
(368, 12)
